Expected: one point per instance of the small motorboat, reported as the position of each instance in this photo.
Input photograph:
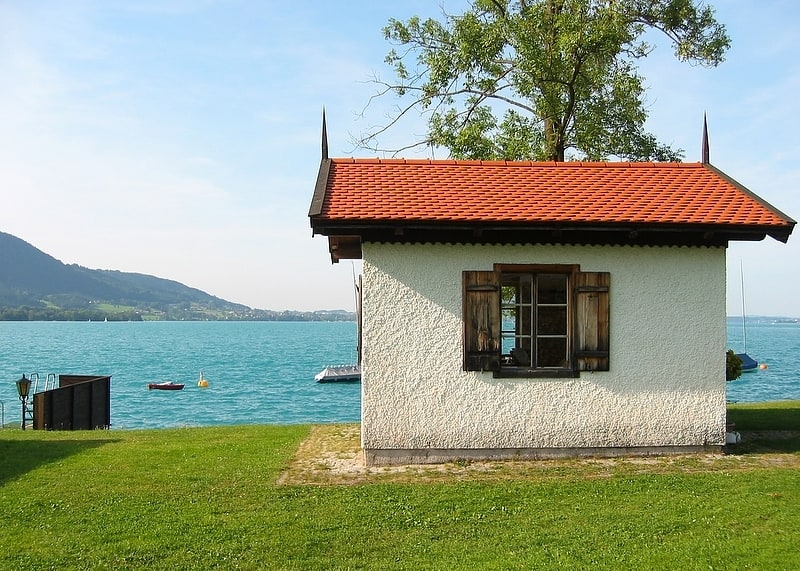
(339, 374)
(165, 386)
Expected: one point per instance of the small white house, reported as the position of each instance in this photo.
(528, 310)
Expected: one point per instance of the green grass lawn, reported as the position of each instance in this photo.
(780, 415)
(208, 498)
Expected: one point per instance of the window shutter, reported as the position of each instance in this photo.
(481, 306)
(591, 321)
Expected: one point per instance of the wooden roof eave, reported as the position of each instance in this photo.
(780, 234)
(344, 248)
(320, 189)
(633, 234)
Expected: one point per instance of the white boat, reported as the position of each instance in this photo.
(339, 374)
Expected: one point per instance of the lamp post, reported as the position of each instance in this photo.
(23, 388)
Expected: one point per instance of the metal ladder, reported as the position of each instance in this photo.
(50, 382)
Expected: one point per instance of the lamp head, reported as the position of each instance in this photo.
(23, 386)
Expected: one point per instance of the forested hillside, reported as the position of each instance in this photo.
(36, 286)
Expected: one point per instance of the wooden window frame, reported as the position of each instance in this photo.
(587, 321)
(533, 271)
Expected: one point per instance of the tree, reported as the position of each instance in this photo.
(541, 79)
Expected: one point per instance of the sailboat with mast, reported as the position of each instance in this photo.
(748, 363)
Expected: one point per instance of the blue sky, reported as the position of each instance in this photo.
(181, 138)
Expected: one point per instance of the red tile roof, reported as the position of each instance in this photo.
(528, 192)
(360, 200)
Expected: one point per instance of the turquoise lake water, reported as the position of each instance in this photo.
(263, 372)
(776, 345)
(258, 372)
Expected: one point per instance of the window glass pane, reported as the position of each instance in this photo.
(552, 288)
(535, 320)
(526, 289)
(509, 293)
(552, 321)
(507, 344)
(521, 354)
(551, 352)
(517, 288)
(509, 316)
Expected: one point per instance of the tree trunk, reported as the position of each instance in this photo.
(554, 142)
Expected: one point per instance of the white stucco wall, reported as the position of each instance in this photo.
(666, 386)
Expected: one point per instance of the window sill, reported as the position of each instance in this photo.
(527, 373)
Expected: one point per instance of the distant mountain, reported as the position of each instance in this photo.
(36, 286)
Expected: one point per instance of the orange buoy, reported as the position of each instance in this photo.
(762, 366)
(202, 383)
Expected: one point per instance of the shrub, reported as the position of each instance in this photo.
(733, 366)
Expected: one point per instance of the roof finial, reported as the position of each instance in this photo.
(324, 137)
(706, 158)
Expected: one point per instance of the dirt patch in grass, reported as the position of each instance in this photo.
(331, 455)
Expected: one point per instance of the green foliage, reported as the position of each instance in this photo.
(544, 79)
(207, 498)
(57, 314)
(733, 366)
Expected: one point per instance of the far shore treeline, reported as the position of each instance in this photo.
(169, 314)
